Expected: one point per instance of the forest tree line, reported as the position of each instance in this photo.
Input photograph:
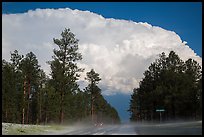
(29, 96)
(169, 85)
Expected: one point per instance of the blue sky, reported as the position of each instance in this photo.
(184, 18)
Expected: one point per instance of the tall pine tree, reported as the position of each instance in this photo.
(64, 69)
(30, 71)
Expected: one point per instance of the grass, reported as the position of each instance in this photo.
(18, 129)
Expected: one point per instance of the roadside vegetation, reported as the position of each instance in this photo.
(29, 96)
(19, 129)
(170, 90)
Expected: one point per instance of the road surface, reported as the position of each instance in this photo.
(175, 128)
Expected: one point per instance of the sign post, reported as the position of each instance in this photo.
(160, 110)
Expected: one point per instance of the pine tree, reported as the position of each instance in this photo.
(99, 109)
(30, 71)
(18, 78)
(11, 88)
(93, 79)
(8, 90)
(64, 69)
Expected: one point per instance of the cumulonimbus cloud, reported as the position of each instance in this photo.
(119, 50)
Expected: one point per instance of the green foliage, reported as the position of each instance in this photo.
(8, 92)
(171, 84)
(64, 69)
(99, 109)
(19, 76)
(25, 86)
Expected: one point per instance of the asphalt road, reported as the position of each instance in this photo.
(175, 128)
(105, 130)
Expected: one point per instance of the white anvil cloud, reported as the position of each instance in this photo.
(119, 50)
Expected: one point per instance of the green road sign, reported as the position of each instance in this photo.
(159, 110)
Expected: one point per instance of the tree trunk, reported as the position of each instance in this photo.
(6, 115)
(92, 103)
(40, 115)
(173, 108)
(27, 118)
(62, 92)
(23, 116)
(24, 94)
(61, 108)
(92, 109)
(46, 118)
